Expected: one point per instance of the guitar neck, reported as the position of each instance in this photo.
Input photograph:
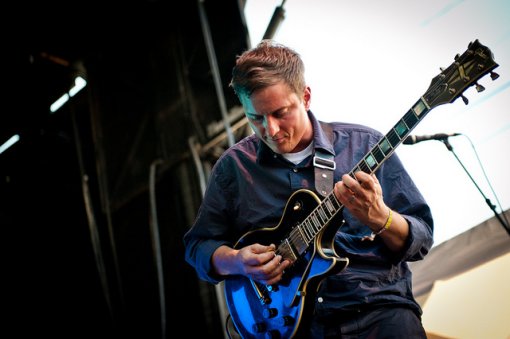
(387, 145)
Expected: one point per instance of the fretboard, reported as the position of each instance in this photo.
(387, 145)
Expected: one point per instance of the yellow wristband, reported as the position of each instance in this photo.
(387, 224)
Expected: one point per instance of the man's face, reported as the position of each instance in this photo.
(279, 117)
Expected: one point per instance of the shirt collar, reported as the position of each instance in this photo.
(323, 138)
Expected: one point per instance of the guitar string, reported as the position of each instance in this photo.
(317, 227)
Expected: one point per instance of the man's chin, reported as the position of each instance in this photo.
(280, 149)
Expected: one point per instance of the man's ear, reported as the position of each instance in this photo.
(307, 97)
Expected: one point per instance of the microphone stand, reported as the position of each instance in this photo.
(487, 200)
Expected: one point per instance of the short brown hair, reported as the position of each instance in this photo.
(265, 65)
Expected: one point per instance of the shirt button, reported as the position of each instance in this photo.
(295, 170)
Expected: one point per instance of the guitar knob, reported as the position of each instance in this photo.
(466, 100)
(494, 75)
(259, 327)
(286, 321)
(273, 334)
(479, 88)
(270, 312)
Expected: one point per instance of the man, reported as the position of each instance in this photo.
(387, 221)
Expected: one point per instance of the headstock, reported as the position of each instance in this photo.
(464, 72)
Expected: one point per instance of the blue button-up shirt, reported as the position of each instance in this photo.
(250, 185)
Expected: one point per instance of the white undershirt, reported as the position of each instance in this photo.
(297, 157)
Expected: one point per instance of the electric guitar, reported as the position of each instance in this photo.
(304, 235)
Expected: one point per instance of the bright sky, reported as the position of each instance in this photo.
(369, 61)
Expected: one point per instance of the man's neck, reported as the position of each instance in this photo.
(297, 157)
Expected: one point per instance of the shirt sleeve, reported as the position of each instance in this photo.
(402, 195)
(210, 228)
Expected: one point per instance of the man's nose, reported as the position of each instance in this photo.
(271, 125)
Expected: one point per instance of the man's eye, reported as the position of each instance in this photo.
(256, 117)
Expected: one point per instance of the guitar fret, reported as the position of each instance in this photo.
(420, 107)
(404, 123)
(363, 166)
(322, 215)
(401, 129)
(309, 224)
(330, 205)
(378, 154)
(311, 227)
(385, 146)
(335, 205)
(318, 218)
(359, 167)
(371, 162)
(310, 231)
(326, 212)
(315, 222)
(303, 233)
(411, 119)
(393, 138)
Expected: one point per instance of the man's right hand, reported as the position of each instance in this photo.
(256, 261)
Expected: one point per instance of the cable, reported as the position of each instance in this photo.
(156, 245)
(487, 179)
(227, 319)
(230, 328)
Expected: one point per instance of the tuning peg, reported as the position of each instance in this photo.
(494, 75)
(456, 57)
(466, 101)
(479, 88)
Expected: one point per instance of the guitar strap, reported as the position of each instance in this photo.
(324, 165)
